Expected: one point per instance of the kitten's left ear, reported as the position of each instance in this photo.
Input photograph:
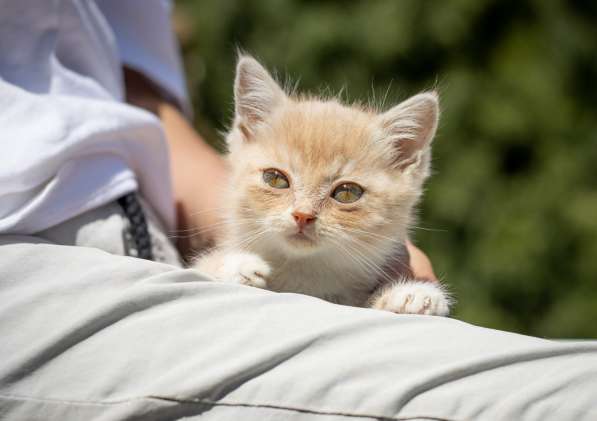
(256, 95)
(409, 127)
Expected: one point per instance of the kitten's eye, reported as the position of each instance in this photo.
(275, 179)
(347, 193)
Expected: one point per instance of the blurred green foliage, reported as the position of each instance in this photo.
(510, 217)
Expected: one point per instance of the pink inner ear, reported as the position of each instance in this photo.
(256, 94)
(245, 131)
(407, 152)
(411, 126)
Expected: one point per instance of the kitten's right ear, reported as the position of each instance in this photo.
(256, 95)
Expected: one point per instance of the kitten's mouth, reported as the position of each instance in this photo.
(301, 239)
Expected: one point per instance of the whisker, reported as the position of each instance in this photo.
(373, 234)
(198, 231)
(254, 239)
(428, 229)
(219, 208)
(347, 252)
(375, 268)
(248, 239)
(394, 240)
(393, 259)
(364, 259)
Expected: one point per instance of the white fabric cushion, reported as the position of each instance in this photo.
(91, 336)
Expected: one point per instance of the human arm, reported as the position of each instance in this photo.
(198, 171)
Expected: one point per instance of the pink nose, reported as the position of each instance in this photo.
(303, 219)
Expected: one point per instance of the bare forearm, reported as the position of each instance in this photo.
(198, 171)
(198, 174)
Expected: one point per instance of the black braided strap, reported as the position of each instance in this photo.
(138, 225)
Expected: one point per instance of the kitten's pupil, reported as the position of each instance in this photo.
(347, 193)
(275, 179)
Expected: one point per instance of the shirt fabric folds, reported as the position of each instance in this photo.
(69, 142)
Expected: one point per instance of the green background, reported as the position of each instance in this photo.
(510, 216)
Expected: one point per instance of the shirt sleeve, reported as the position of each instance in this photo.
(69, 143)
(147, 44)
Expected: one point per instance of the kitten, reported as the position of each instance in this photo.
(321, 197)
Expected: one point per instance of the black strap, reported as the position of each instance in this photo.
(138, 225)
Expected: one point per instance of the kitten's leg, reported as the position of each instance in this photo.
(234, 266)
(413, 297)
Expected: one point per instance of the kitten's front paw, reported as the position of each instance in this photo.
(414, 297)
(245, 268)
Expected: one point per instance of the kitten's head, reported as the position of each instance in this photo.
(312, 175)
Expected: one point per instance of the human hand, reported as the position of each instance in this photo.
(419, 263)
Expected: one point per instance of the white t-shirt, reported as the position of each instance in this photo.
(68, 142)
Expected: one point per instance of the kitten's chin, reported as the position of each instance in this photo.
(301, 242)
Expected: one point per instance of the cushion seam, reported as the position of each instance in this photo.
(208, 402)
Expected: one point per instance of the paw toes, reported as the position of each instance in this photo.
(254, 271)
(415, 298)
(253, 280)
(244, 268)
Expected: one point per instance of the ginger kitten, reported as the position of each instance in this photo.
(321, 197)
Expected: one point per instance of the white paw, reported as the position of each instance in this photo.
(414, 297)
(244, 268)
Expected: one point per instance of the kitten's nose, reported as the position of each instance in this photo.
(303, 219)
